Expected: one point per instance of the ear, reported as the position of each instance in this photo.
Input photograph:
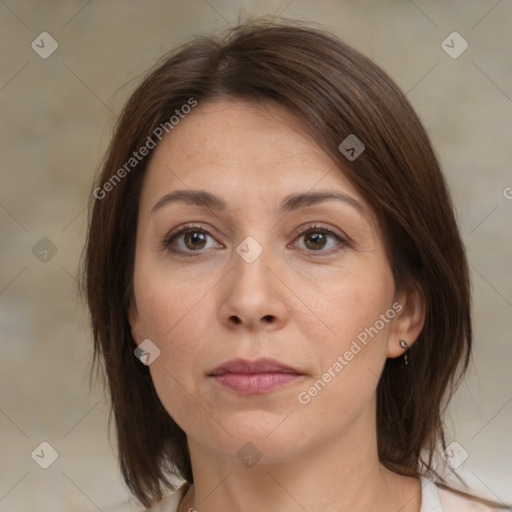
(408, 322)
(134, 321)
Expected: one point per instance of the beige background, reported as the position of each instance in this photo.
(56, 119)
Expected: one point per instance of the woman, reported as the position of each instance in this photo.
(278, 288)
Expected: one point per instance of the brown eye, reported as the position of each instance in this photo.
(318, 239)
(315, 241)
(194, 240)
(187, 240)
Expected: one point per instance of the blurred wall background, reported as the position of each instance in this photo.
(57, 107)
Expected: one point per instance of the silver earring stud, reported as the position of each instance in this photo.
(403, 344)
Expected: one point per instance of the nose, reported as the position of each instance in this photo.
(254, 294)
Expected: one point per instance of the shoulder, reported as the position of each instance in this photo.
(454, 501)
(170, 502)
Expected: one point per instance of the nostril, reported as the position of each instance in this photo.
(268, 318)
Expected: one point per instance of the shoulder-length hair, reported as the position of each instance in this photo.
(337, 92)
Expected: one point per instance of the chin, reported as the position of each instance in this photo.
(256, 436)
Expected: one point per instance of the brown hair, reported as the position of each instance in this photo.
(337, 92)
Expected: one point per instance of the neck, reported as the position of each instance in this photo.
(342, 475)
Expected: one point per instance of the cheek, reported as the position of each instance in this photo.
(172, 321)
(358, 311)
(353, 304)
(349, 371)
(163, 301)
(173, 317)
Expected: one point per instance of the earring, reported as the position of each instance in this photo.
(403, 344)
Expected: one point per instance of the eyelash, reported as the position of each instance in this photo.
(191, 228)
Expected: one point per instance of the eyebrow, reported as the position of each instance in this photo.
(205, 199)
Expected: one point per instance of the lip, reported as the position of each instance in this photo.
(254, 377)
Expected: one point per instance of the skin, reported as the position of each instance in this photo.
(301, 306)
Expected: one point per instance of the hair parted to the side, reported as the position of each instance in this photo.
(336, 91)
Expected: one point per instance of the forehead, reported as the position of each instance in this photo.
(226, 145)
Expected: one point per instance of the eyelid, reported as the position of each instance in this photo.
(183, 228)
(320, 227)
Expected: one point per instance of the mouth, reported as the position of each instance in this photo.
(254, 377)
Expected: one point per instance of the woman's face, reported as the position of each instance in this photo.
(266, 269)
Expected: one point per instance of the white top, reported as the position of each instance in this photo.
(433, 499)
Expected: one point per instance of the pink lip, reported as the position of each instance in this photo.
(253, 377)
